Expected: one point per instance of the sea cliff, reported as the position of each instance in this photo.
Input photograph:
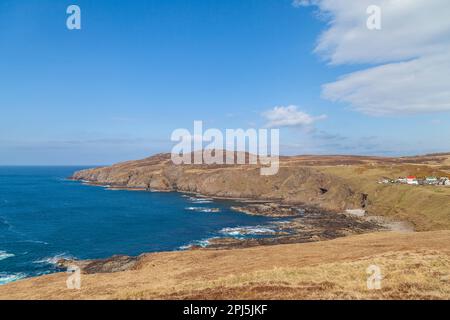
(331, 183)
(293, 184)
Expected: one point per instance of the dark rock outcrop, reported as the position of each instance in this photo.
(112, 264)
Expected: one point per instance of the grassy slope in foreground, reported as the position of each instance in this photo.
(414, 266)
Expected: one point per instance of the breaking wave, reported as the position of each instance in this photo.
(10, 277)
(35, 241)
(281, 222)
(53, 260)
(5, 255)
(242, 231)
(202, 209)
(200, 200)
(201, 243)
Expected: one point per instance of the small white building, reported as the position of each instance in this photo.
(402, 180)
(412, 180)
(431, 180)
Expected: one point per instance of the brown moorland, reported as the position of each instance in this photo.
(415, 265)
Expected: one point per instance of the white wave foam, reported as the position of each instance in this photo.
(201, 243)
(202, 209)
(36, 241)
(200, 200)
(10, 277)
(5, 255)
(281, 222)
(53, 260)
(239, 231)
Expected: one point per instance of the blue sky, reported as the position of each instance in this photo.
(137, 70)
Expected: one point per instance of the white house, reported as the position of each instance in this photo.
(431, 180)
(402, 180)
(411, 180)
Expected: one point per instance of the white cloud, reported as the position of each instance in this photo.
(417, 86)
(289, 116)
(410, 29)
(412, 47)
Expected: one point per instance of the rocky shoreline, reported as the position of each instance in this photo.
(314, 205)
(303, 223)
(308, 225)
(345, 205)
(116, 263)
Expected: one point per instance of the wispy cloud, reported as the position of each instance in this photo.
(411, 51)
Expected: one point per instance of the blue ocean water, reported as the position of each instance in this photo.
(44, 216)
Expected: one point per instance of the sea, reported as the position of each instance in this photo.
(45, 217)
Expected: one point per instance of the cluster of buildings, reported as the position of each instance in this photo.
(413, 180)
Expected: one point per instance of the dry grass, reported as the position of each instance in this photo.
(406, 275)
(426, 207)
(414, 266)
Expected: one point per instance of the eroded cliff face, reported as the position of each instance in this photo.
(292, 184)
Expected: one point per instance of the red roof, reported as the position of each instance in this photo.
(411, 177)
